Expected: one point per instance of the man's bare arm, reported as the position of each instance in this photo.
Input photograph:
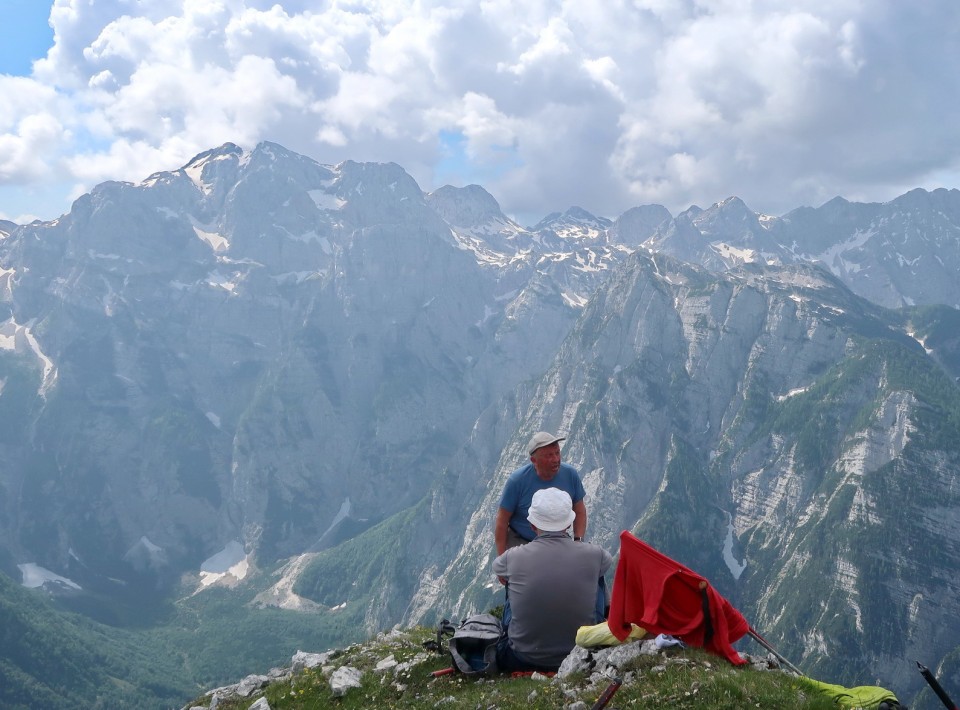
(500, 530)
(580, 522)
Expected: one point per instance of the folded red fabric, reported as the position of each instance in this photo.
(664, 597)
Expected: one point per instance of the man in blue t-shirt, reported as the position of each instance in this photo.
(543, 471)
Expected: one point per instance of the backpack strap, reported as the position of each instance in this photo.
(444, 628)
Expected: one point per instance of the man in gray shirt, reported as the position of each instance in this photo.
(552, 584)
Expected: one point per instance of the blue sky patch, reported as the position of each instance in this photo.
(27, 35)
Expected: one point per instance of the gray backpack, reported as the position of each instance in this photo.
(473, 646)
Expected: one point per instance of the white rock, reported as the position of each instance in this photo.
(302, 660)
(386, 664)
(261, 704)
(621, 655)
(579, 659)
(343, 679)
(249, 685)
(415, 661)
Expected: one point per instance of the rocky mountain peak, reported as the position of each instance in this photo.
(638, 224)
(224, 151)
(575, 221)
(728, 219)
(467, 207)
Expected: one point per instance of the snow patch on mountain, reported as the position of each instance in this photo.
(195, 173)
(833, 257)
(218, 280)
(35, 576)
(229, 566)
(196, 168)
(574, 300)
(6, 284)
(736, 567)
(341, 515)
(733, 255)
(326, 201)
(20, 339)
(110, 298)
(217, 241)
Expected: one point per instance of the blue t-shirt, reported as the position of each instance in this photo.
(524, 482)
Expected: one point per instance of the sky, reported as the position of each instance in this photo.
(545, 103)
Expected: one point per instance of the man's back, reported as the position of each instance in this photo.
(553, 592)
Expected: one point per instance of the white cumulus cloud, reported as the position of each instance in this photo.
(546, 103)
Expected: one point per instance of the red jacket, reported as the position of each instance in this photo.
(664, 597)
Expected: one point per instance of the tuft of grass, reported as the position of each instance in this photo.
(690, 678)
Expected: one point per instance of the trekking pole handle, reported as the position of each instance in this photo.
(607, 694)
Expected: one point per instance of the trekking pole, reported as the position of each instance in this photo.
(941, 693)
(763, 642)
(607, 694)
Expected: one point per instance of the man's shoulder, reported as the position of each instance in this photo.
(606, 559)
(594, 546)
(565, 548)
(521, 472)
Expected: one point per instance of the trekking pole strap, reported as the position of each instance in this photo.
(707, 618)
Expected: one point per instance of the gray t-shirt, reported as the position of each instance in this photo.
(553, 592)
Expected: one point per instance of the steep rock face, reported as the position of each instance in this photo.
(254, 347)
(763, 427)
(260, 349)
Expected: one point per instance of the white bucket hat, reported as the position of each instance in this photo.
(551, 510)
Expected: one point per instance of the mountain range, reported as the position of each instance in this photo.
(260, 367)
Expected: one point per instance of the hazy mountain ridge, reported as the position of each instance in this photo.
(262, 353)
(899, 253)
